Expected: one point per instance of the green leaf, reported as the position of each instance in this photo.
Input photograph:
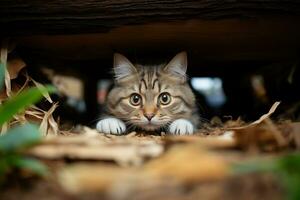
(32, 165)
(11, 161)
(286, 167)
(254, 166)
(2, 74)
(289, 171)
(292, 184)
(19, 138)
(290, 163)
(21, 101)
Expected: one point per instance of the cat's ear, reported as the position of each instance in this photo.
(123, 67)
(178, 65)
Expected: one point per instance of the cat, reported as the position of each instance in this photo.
(150, 98)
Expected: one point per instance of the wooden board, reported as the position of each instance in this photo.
(90, 16)
(273, 39)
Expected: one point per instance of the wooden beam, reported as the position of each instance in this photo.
(206, 40)
(93, 16)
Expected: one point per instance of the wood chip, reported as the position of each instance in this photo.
(120, 150)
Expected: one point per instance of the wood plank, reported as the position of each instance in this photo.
(205, 40)
(91, 16)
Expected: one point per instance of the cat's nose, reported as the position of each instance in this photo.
(149, 116)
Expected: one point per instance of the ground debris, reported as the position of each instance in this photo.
(147, 166)
(143, 162)
(181, 166)
(267, 135)
(121, 150)
(33, 114)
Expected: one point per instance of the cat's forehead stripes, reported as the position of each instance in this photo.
(143, 85)
(156, 85)
(149, 79)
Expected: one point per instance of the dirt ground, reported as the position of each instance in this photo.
(217, 162)
(90, 165)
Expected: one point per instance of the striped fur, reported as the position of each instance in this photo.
(149, 82)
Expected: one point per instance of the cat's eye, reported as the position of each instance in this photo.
(164, 98)
(135, 99)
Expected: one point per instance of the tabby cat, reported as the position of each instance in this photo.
(150, 98)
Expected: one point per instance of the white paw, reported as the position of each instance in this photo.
(181, 127)
(111, 126)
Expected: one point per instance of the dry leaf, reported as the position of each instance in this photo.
(4, 128)
(264, 134)
(48, 124)
(42, 88)
(14, 66)
(262, 118)
(268, 136)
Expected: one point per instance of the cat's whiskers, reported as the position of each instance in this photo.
(131, 126)
(201, 119)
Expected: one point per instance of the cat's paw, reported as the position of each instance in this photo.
(111, 126)
(181, 127)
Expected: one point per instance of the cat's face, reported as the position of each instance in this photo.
(150, 97)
